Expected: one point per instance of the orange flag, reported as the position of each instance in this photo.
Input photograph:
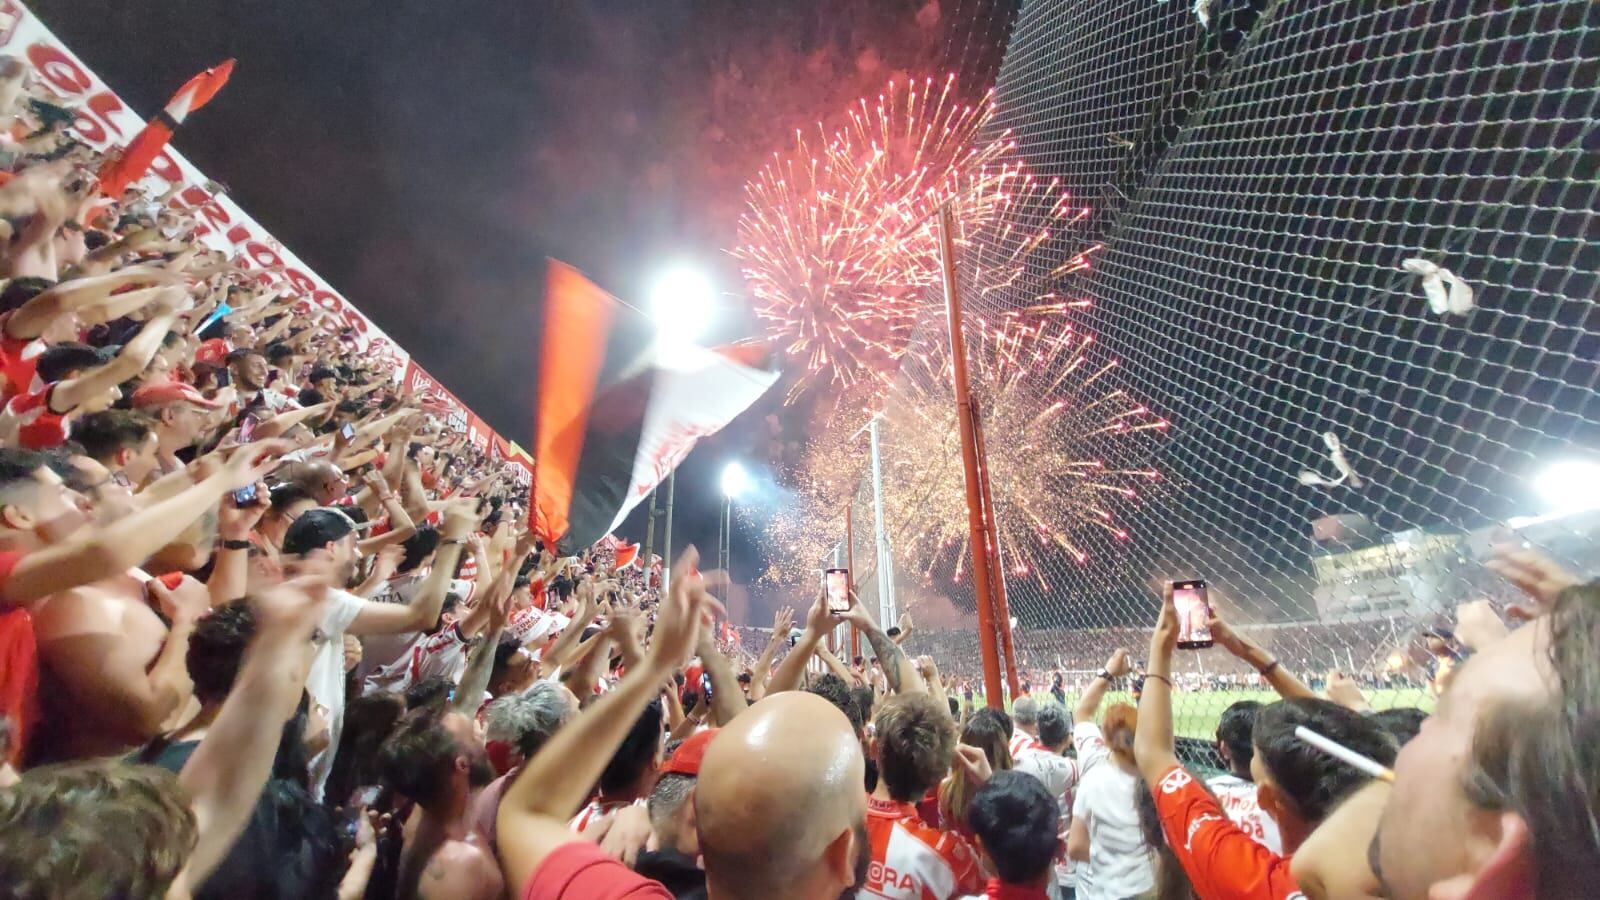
(125, 168)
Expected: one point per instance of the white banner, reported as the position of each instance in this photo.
(696, 392)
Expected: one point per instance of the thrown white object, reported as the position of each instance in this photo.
(1202, 11)
(1446, 293)
(1351, 758)
(1340, 463)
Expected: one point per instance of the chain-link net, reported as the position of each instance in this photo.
(1279, 210)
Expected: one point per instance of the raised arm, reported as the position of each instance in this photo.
(1088, 707)
(554, 784)
(727, 700)
(480, 662)
(227, 771)
(782, 623)
(34, 317)
(792, 670)
(96, 553)
(423, 611)
(1252, 655)
(897, 667)
(1153, 746)
(129, 362)
(557, 656)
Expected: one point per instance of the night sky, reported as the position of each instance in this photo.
(425, 158)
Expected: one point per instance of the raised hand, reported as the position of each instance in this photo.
(1345, 692)
(1119, 665)
(235, 522)
(253, 462)
(973, 762)
(783, 620)
(188, 601)
(686, 609)
(1536, 575)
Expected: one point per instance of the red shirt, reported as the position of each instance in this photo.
(19, 667)
(581, 871)
(1222, 860)
(41, 428)
(19, 361)
(911, 861)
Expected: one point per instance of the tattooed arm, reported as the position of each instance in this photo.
(897, 667)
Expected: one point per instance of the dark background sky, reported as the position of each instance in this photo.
(425, 157)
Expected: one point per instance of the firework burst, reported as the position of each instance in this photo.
(837, 243)
(1050, 419)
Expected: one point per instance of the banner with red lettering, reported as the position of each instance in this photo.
(104, 122)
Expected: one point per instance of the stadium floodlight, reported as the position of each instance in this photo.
(1571, 485)
(682, 303)
(735, 481)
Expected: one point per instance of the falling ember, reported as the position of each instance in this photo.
(1046, 417)
(838, 245)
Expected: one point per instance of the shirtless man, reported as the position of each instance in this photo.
(112, 649)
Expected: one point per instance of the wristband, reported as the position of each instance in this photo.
(1106, 674)
(1161, 678)
(448, 543)
(1267, 669)
(236, 545)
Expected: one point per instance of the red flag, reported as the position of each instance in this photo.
(627, 554)
(130, 165)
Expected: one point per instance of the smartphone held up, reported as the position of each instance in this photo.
(1194, 614)
(836, 583)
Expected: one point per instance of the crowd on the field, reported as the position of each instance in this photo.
(268, 629)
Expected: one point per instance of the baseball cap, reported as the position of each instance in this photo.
(686, 759)
(162, 393)
(213, 352)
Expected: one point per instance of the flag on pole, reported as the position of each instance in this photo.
(616, 410)
(627, 555)
(128, 166)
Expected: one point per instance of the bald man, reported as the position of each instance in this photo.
(779, 807)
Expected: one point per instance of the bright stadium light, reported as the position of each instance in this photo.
(735, 481)
(1570, 485)
(682, 303)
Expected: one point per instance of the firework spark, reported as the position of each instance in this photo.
(838, 243)
(1050, 418)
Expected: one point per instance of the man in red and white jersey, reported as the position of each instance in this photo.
(1025, 719)
(911, 860)
(1059, 774)
(1236, 789)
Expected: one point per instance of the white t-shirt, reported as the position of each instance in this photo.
(1059, 775)
(1120, 864)
(325, 682)
(1238, 798)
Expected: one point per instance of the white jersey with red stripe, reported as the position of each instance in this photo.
(913, 861)
(1022, 742)
(1239, 801)
(595, 809)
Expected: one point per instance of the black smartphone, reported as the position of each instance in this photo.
(836, 582)
(245, 496)
(247, 429)
(1194, 614)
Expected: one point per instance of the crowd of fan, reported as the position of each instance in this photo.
(268, 630)
(1378, 654)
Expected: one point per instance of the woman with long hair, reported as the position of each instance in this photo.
(988, 733)
(1106, 839)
